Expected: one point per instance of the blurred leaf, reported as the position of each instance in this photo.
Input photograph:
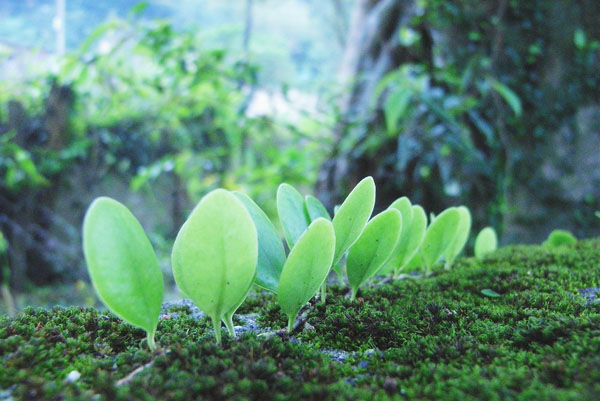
(511, 98)
(490, 293)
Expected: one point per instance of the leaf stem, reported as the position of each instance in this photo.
(228, 320)
(353, 294)
(291, 322)
(323, 292)
(150, 339)
(217, 327)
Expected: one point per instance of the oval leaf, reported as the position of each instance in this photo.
(292, 214)
(306, 268)
(558, 238)
(490, 293)
(373, 247)
(404, 206)
(486, 242)
(315, 208)
(122, 264)
(439, 236)
(462, 235)
(410, 242)
(271, 255)
(352, 216)
(215, 253)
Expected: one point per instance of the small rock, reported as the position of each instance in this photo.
(309, 327)
(590, 295)
(73, 376)
(390, 385)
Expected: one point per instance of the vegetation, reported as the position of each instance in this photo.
(436, 338)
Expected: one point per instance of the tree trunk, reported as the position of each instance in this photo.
(372, 50)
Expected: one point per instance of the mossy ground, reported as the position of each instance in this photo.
(438, 338)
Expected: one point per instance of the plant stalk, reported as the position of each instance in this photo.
(291, 323)
(217, 327)
(228, 320)
(151, 342)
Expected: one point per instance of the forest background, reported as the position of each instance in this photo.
(490, 104)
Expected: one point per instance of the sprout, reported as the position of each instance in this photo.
(122, 265)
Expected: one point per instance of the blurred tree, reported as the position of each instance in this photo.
(462, 101)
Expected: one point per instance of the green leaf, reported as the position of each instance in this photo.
(215, 255)
(598, 214)
(293, 216)
(306, 268)
(271, 254)
(415, 263)
(122, 264)
(439, 236)
(490, 293)
(352, 216)
(315, 209)
(373, 247)
(510, 97)
(410, 241)
(404, 206)
(462, 235)
(558, 238)
(486, 242)
(395, 106)
(579, 38)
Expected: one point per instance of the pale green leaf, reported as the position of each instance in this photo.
(292, 214)
(462, 235)
(215, 255)
(409, 242)
(490, 293)
(509, 96)
(352, 216)
(486, 242)
(271, 254)
(404, 206)
(306, 268)
(315, 209)
(558, 238)
(373, 247)
(122, 264)
(439, 236)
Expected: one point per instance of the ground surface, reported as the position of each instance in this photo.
(535, 336)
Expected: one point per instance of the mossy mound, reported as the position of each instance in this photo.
(532, 337)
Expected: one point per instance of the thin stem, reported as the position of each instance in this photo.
(340, 275)
(228, 320)
(217, 327)
(353, 295)
(291, 322)
(151, 342)
(323, 292)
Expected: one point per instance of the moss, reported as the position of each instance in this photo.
(428, 339)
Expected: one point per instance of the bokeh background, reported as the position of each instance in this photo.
(490, 104)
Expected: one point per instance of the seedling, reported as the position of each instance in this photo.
(122, 265)
(306, 268)
(215, 256)
(559, 238)
(352, 216)
(414, 223)
(271, 255)
(460, 240)
(292, 213)
(486, 242)
(439, 236)
(373, 248)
